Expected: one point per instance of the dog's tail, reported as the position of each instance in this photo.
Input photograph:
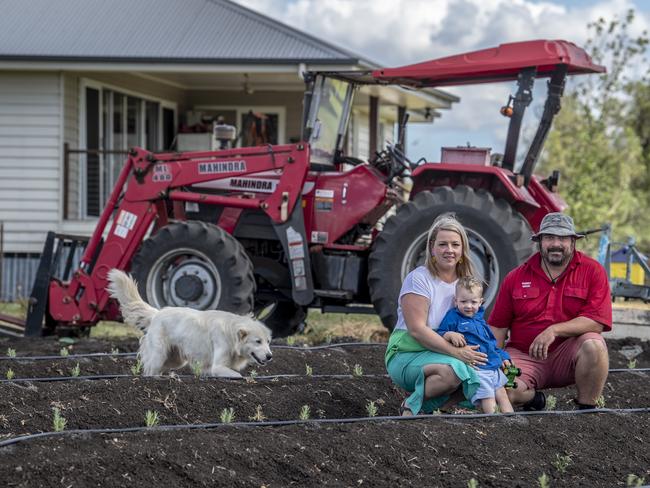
(134, 309)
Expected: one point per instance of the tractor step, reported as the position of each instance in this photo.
(11, 326)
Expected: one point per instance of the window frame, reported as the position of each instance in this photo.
(102, 87)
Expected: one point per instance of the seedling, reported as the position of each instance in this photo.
(309, 371)
(227, 415)
(136, 369)
(58, 421)
(472, 483)
(197, 369)
(305, 412)
(10, 374)
(259, 416)
(291, 340)
(151, 418)
(372, 409)
(544, 481)
(600, 401)
(328, 339)
(633, 481)
(631, 364)
(561, 463)
(115, 351)
(357, 370)
(64, 352)
(74, 372)
(11, 352)
(551, 402)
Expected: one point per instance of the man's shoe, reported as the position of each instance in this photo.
(537, 403)
(584, 406)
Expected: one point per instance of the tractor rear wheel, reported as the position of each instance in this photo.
(197, 265)
(499, 240)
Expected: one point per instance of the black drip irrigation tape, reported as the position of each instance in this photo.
(243, 378)
(279, 423)
(185, 376)
(134, 354)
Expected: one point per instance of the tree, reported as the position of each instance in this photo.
(600, 137)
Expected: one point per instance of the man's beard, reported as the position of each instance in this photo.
(555, 260)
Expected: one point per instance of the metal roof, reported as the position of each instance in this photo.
(182, 31)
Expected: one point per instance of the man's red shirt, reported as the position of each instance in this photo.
(529, 302)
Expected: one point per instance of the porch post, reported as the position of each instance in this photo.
(401, 112)
(373, 124)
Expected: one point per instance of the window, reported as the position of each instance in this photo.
(255, 125)
(114, 122)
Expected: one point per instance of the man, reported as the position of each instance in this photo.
(555, 305)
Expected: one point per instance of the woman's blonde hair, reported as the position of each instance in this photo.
(448, 221)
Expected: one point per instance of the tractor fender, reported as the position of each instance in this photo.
(533, 202)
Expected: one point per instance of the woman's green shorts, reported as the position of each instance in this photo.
(406, 370)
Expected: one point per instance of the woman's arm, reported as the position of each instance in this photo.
(415, 309)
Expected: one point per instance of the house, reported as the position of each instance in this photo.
(81, 81)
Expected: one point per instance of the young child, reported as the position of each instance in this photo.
(464, 325)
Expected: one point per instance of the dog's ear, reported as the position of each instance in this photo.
(242, 334)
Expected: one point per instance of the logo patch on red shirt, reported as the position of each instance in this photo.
(525, 284)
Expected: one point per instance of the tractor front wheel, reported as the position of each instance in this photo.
(197, 265)
(499, 240)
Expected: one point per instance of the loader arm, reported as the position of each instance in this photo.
(139, 198)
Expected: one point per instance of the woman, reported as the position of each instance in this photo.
(417, 358)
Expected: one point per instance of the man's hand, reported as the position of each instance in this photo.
(539, 348)
(455, 338)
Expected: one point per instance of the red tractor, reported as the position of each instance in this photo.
(298, 225)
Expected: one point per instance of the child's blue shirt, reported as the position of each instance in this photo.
(477, 333)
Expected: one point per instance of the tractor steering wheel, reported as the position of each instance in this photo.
(398, 156)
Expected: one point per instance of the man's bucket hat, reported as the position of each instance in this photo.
(557, 224)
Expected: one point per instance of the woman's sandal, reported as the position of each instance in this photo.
(404, 410)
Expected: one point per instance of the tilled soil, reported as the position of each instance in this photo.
(599, 449)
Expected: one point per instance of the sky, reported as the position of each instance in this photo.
(400, 32)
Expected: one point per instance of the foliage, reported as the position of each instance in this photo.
(551, 402)
(544, 481)
(631, 364)
(561, 462)
(305, 412)
(599, 142)
(227, 415)
(472, 483)
(74, 372)
(259, 415)
(151, 418)
(600, 402)
(197, 368)
(11, 353)
(64, 352)
(372, 409)
(633, 480)
(357, 371)
(10, 374)
(58, 422)
(136, 369)
(309, 371)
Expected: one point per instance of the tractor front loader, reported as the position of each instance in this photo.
(306, 225)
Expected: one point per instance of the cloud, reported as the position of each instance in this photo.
(398, 32)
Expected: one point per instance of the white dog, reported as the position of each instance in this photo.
(222, 343)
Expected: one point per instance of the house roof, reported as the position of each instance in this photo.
(179, 31)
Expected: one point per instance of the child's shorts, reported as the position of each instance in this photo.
(491, 380)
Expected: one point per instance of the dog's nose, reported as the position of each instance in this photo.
(269, 356)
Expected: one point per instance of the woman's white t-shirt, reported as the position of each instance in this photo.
(440, 295)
